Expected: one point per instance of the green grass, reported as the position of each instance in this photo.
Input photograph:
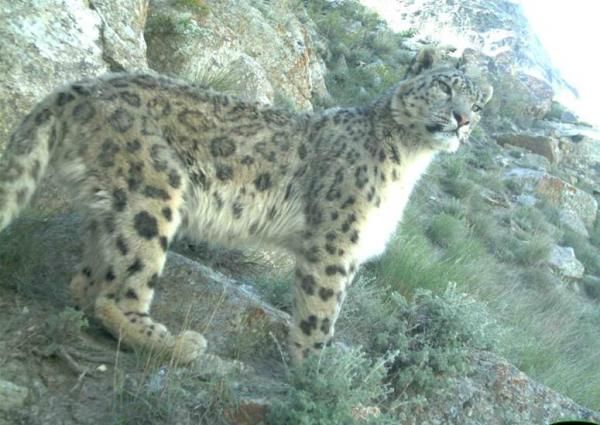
(498, 255)
(363, 56)
(554, 338)
(159, 24)
(413, 261)
(446, 230)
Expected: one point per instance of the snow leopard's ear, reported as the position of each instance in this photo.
(427, 58)
(473, 68)
(486, 92)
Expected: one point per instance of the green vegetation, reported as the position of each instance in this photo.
(335, 388)
(198, 7)
(436, 335)
(497, 253)
(155, 395)
(162, 24)
(363, 56)
(65, 327)
(585, 251)
(180, 20)
(412, 348)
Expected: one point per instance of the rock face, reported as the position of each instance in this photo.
(45, 44)
(264, 52)
(569, 198)
(122, 32)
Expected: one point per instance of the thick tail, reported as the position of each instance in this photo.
(24, 162)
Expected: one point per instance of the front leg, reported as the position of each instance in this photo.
(319, 291)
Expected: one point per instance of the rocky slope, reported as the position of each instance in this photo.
(497, 30)
(269, 52)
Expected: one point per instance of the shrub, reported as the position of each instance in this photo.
(433, 336)
(329, 390)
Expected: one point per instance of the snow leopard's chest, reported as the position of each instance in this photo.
(381, 222)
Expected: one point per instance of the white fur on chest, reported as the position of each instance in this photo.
(381, 222)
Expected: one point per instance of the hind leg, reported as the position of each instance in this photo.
(84, 286)
(123, 258)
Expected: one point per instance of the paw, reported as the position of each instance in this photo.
(188, 346)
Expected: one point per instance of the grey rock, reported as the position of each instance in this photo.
(569, 117)
(124, 47)
(260, 50)
(526, 200)
(572, 221)
(48, 43)
(557, 192)
(545, 146)
(252, 82)
(12, 396)
(43, 45)
(562, 259)
(536, 161)
(496, 393)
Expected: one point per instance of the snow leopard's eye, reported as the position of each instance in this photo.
(475, 108)
(445, 88)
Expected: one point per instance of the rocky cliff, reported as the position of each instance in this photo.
(55, 368)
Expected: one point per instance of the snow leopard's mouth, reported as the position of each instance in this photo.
(438, 129)
(435, 128)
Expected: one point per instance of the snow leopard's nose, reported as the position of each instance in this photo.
(461, 118)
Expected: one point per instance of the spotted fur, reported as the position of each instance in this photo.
(147, 157)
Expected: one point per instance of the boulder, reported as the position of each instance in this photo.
(563, 195)
(122, 32)
(572, 221)
(563, 260)
(569, 198)
(495, 393)
(546, 146)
